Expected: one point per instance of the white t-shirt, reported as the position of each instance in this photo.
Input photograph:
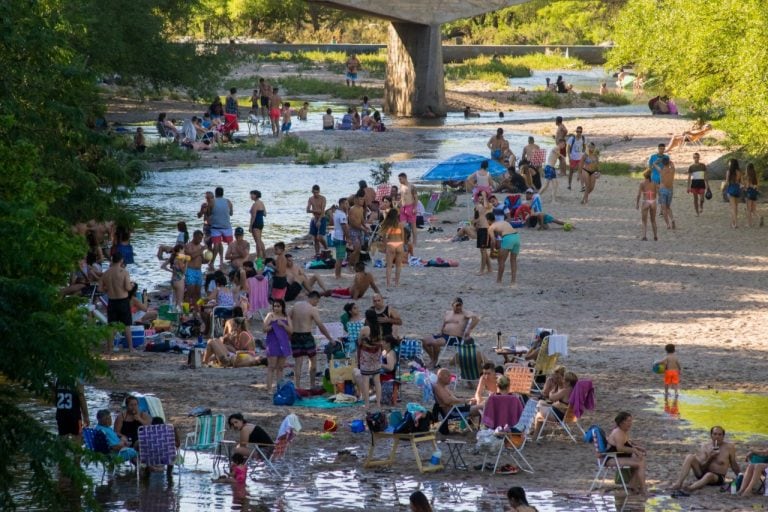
(339, 219)
(577, 147)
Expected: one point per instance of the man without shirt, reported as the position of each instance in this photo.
(666, 190)
(318, 224)
(296, 274)
(116, 283)
(303, 315)
(698, 184)
(357, 227)
(575, 147)
(457, 323)
(710, 464)
(446, 399)
(194, 274)
(239, 250)
(561, 132)
(280, 278)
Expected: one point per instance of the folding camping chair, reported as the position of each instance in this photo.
(219, 316)
(207, 436)
(520, 378)
(289, 428)
(96, 442)
(515, 442)
(454, 414)
(466, 360)
(581, 391)
(430, 209)
(157, 446)
(605, 459)
(449, 350)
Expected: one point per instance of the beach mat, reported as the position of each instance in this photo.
(321, 402)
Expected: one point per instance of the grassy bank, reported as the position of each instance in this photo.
(497, 70)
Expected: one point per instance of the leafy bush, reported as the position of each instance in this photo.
(286, 146)
(381, 173)
(548, 99)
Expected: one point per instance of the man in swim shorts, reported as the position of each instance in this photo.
(457, 325)
(265, 91)
(304, 315)
(116, 283)
(357, 227)
(275, 104)
(318, 224)
(709, 465)
(340, 235)
(221, 225)
(353, 65)
(698, 184)
(666, 190)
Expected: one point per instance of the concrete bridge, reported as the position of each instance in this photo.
(415, 77)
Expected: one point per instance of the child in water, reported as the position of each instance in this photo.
(237, 471)
(671, 370)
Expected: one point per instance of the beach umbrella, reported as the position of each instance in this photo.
(459, 167)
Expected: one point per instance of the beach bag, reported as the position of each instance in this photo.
(708, 194)
(189, 329)
(286, 393)
(376, 421)
(407, 425)
(488, 442)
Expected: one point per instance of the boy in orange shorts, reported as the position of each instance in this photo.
(672, 370)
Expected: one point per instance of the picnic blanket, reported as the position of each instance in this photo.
(322, 402)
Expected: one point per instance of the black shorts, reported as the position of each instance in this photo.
(119, 310)
(265, 101)
(482, 238)
(69, 426)
(279, 282)
(294, 289)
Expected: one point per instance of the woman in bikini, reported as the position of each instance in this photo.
(369, 357)
(751, 192)
(177, 266)
(631, 455)
(393, 235)
(733, 189)
(589, 174)
(647, 193)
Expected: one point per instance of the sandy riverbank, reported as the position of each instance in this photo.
(619, 299)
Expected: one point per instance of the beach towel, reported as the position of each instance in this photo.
(321, 402)
(440, 263)
(290, 422)
(502, 410)
(582, 398)
(258, 293)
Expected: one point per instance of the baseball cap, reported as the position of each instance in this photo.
(239, 231)
(529, 191)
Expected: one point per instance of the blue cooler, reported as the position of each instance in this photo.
(137, 336)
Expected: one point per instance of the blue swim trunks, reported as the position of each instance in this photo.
(511, 242)
(316, 230)
(285, 128)
(194, 277)
(496, 154)
(549, 172)
(351, 76)
(548, 218)
(665, 196)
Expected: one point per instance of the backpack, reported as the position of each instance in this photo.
(286, 393)
(377, 421)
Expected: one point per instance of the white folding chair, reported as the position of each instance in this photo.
(605, 460)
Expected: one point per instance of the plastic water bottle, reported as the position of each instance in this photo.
(436, 455)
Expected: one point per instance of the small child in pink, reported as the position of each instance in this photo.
(237, 471)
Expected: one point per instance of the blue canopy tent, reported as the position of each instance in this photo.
(460, 167)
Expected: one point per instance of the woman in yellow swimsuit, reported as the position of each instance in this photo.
(647, 192)
(393, 234)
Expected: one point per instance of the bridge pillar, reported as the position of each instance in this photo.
(414, 70)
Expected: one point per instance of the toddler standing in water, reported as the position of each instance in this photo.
(237, 471)
(671, 370)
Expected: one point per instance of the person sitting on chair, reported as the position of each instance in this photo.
(757, 463)
(710, 464)
(554, 383)
(445, 399)
(248, 434)
(457, 323)
(558, 402)
(486, 385)
(533, 352)
(118, 444)
(631, 454)
(694, 134)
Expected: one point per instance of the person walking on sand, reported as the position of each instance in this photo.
(672, 370)
(319, 223)
(646, 203)
(666, 190)
(561, 133)
(589, 174)
(353, 66)
(751, 192)
(508, 240)
(575, 147)
(554, 158)
(698, 184)
(733, 189)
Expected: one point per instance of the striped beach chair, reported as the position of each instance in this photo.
(209, 431)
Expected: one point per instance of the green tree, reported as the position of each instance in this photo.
(58, 170)
(711, 53)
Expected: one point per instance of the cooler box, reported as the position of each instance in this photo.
(137, 336)
(165, 312)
